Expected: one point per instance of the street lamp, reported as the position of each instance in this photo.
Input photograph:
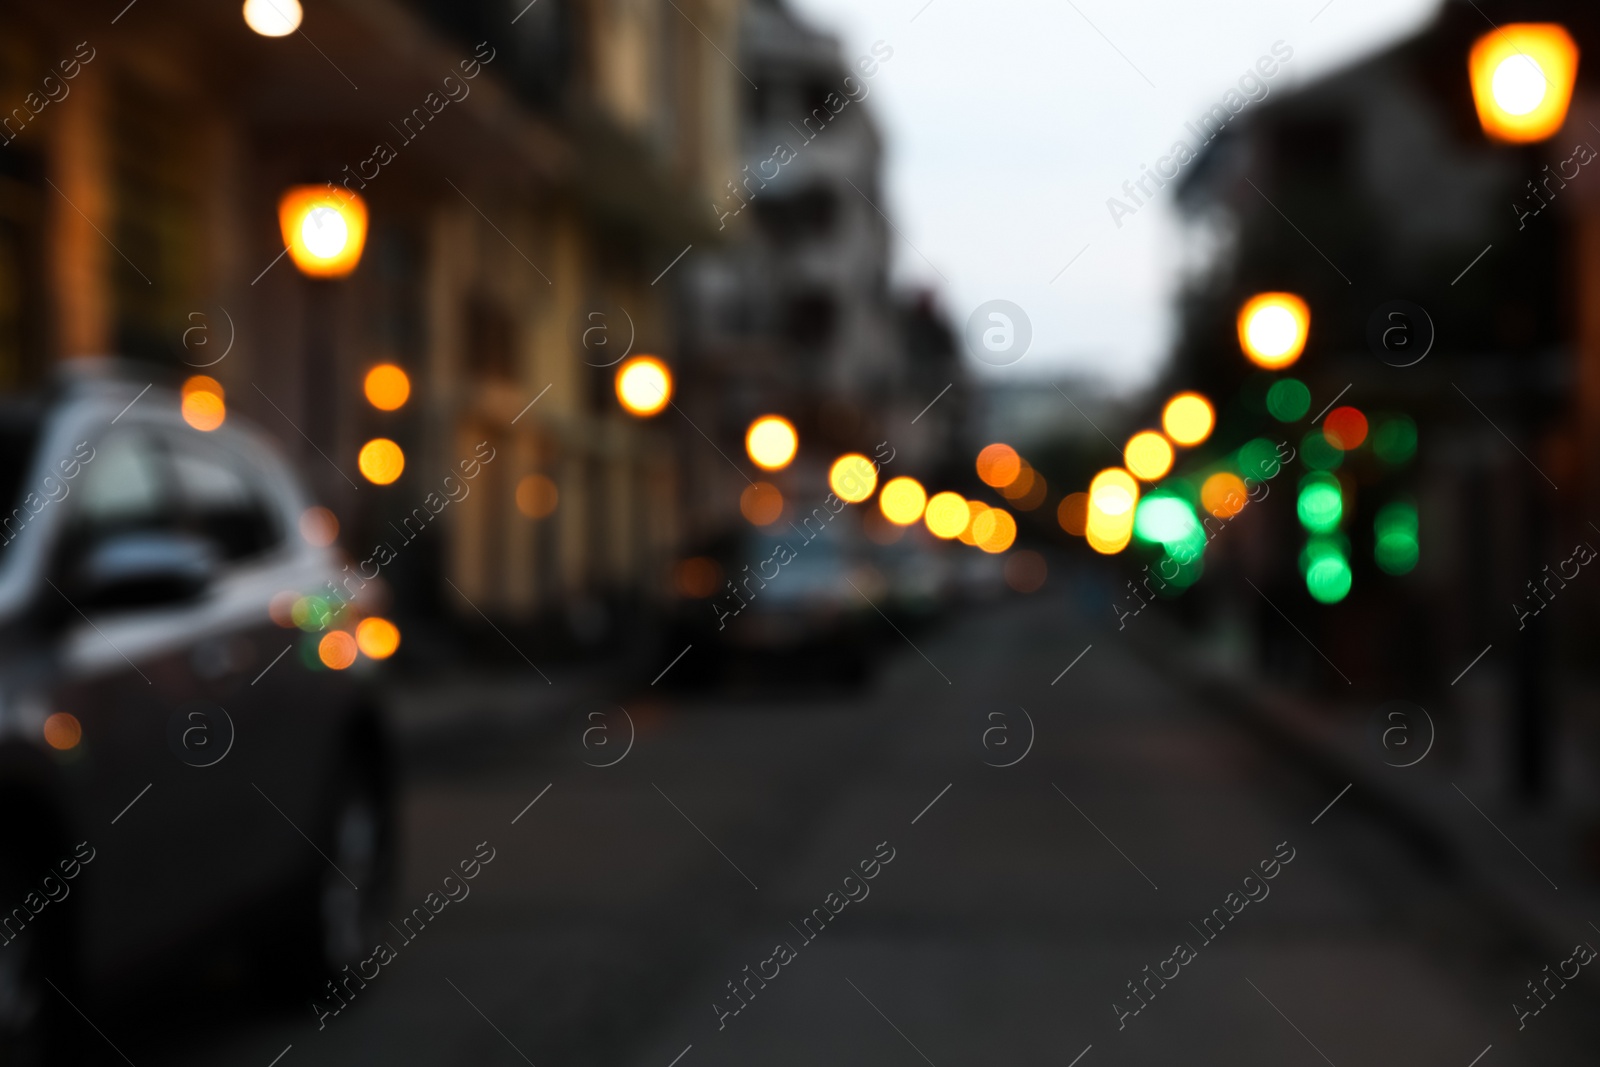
(644, 385)
(771, 442)
(1273, 328)
(1522, 77)
(323, 230)
(272, 18)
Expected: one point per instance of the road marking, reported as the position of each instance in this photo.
(1071, 665)
(1474, 662)
(1331, 803)
(931, 803)
(131, 803)
(531, 803)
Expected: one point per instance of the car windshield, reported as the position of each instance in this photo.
(19, 432)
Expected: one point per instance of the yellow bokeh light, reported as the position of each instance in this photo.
(62, 731)
(995, 530)
(1188, 419)
(902, 501)
(323, 229)
(644, 385)
(1223, 495)
(1273, 329)
(381, 461)
(336, 650)
(771, 442)
(1148, 455)
(1113, 499)
(1522, 76)
(272, 18)
(946, 515)
(377, 638)
(974, 509)
(387, 387)
(852, 478)
(761, 503)
(537, 496)
(999, 465)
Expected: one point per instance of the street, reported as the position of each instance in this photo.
(1017, 908)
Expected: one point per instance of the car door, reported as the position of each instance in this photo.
(122, 672)
(241, 733)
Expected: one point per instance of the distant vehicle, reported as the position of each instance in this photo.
(792, 600)
(138, 559)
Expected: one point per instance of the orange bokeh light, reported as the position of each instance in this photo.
(1223, 495)
(376, 637)
(323, 230)
(337, 650)
(203, 406)
(62, 731)
(994, 530)
(1073, 513)
(761, 503)
(1522, 75)
(537, 496)
(999, 465)
(387, 387)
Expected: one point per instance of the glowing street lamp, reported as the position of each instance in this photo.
(272, 18)
(1522, 77)
(771, 442)
(644, 385)
(1273, 328)
(324, 231)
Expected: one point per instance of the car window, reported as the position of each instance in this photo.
(220, 502)
(123, 488)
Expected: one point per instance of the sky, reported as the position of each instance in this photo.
(1009, 123)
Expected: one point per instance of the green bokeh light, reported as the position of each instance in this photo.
(1395, 439)
(1395, 527)
(1288, 400)
(1321, 503)
(1328, 579)
(1258, 459)
(1318, 454)
(1168, 520)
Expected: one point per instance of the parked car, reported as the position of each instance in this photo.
(138, 560)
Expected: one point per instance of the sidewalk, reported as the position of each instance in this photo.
(1521, 866)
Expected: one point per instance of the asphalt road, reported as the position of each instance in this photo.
(1019, 903)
